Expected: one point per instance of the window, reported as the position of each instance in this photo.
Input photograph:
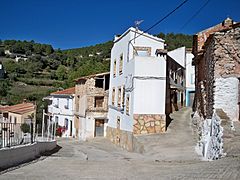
(127, 105)
(57, 103)
(56, 119)
(99, 82)
(118, 122)
(67, 105)
(15, 120)
(121, 64)
(77, 103)
(113, 96)
(66, 124)
(98, 101)
(123, 95)
(114, 68)
(142, 51)
(119, 96)
(10, 119)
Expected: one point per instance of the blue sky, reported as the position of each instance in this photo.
(77, 23)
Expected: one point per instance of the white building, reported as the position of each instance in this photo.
(190, 79)
(184, 57)
(61, 111)
(138, 98)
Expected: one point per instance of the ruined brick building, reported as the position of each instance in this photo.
(91, 105)
(217, 67)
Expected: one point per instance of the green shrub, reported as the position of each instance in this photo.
(25, 128)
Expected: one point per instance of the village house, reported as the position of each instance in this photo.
(19, 113)
(24, 113)
(147, 83)
(91, 105)
(61, 111)
(218, 70)
(190, 78)
(217, 65)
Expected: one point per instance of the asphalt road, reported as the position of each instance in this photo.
(170, 156)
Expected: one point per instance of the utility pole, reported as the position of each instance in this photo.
(43, 124)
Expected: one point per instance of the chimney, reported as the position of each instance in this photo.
(227, 22)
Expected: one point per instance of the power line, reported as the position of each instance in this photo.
(194, 15)
(165, 17)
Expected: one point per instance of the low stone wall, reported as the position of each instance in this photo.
(14, 156)
(149, 123)
(124, 139)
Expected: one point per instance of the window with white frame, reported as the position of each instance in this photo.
(119, 96)
(113, 96)
(114, 68)
(121, 64)
(127, 104)
(67, 105)
(123, 96)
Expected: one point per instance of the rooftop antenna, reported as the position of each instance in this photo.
(137, 24)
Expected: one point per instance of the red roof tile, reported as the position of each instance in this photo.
(19, 108)
(65, 91)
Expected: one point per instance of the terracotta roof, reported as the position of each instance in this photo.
(19, 108)
(92, 76)
(68, 91)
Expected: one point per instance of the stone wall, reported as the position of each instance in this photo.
(149, 123)
(226, 96)
(219, 64)
(219, 89)
(124, 139)
(222, 57)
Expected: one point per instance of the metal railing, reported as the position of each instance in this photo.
(11, 134)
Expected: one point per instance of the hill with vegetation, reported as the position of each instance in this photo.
(34, 70)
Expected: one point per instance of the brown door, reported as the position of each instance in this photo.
(99, 127)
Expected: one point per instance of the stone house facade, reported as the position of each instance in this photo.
(91, 105)
(200, 62)
(222, 57)
(217, 65)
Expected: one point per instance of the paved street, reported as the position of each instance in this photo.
(170, 157)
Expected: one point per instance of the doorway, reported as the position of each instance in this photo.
(99, 128)
(70, 128)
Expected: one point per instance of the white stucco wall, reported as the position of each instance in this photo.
(62, 113)
(146, 96)
(149, 97)
(190, 72)
(226, 96)
(87, 125)
(61, 105)
(179, 55)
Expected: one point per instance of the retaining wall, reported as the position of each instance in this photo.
(16, 155)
